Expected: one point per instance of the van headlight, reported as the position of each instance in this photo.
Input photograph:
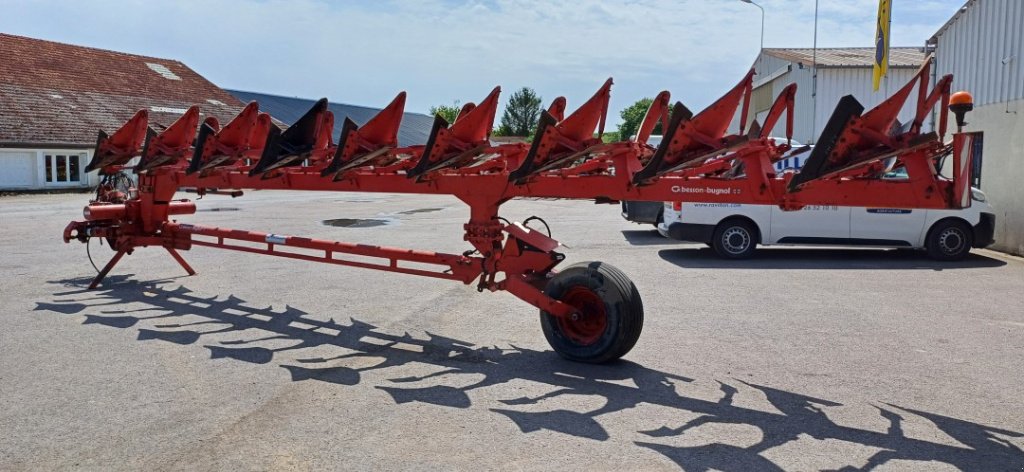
(977, 195)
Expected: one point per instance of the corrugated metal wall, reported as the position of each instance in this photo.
(982, 47)
(766, 66)
(834, 83)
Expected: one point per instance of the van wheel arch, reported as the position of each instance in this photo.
(757, 229)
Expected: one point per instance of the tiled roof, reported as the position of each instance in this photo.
(54, 93)
(849, 57)
(414, 130)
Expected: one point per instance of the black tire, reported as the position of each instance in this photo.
(735, 239)
(611, 319)
(949, 240)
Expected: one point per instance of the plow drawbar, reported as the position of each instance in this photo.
(590, 312)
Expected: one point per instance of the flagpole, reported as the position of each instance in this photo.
(814, 79)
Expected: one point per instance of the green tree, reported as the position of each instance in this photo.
(448, 112)
(521, 114)
(633, 115)
(609, 136)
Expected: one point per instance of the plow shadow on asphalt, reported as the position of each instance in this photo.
(229, 328)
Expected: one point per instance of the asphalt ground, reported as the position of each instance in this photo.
(799, 359)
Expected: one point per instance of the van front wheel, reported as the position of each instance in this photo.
(950, 240)
(734, 239)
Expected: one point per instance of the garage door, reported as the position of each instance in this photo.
(17, 169)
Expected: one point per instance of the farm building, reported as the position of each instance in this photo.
(55, 97)
(982, 46)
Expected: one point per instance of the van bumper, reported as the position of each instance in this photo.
(641, 212)
(691, 232)
(985, 230)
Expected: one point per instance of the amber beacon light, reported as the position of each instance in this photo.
(960, 103)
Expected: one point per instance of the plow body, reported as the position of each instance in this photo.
(590, 312)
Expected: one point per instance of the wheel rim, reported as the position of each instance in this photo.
(952, 241)
(735, 240)
(588, 326)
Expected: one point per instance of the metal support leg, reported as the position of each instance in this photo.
(181, 260)
(110, 265)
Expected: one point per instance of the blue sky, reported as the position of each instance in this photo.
(440, 51)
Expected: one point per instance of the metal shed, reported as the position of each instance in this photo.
(981, 45)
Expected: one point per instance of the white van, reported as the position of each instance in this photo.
(735, 230)
(652, 213)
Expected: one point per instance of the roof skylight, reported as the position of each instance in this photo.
(163, 71)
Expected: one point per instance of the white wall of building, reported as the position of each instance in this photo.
(983, 47)
(44, 169)
(17, 169)
(1002, 169)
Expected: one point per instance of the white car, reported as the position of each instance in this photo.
(735, 230)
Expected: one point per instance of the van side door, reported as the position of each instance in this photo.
(887, 226)
(814, 224)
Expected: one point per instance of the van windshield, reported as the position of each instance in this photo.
(896, 174)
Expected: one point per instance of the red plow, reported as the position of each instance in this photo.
(590, 312)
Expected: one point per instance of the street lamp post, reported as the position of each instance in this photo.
(762, 19)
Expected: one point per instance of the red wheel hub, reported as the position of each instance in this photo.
(586, 327)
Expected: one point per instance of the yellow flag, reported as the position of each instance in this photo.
(881, 67)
